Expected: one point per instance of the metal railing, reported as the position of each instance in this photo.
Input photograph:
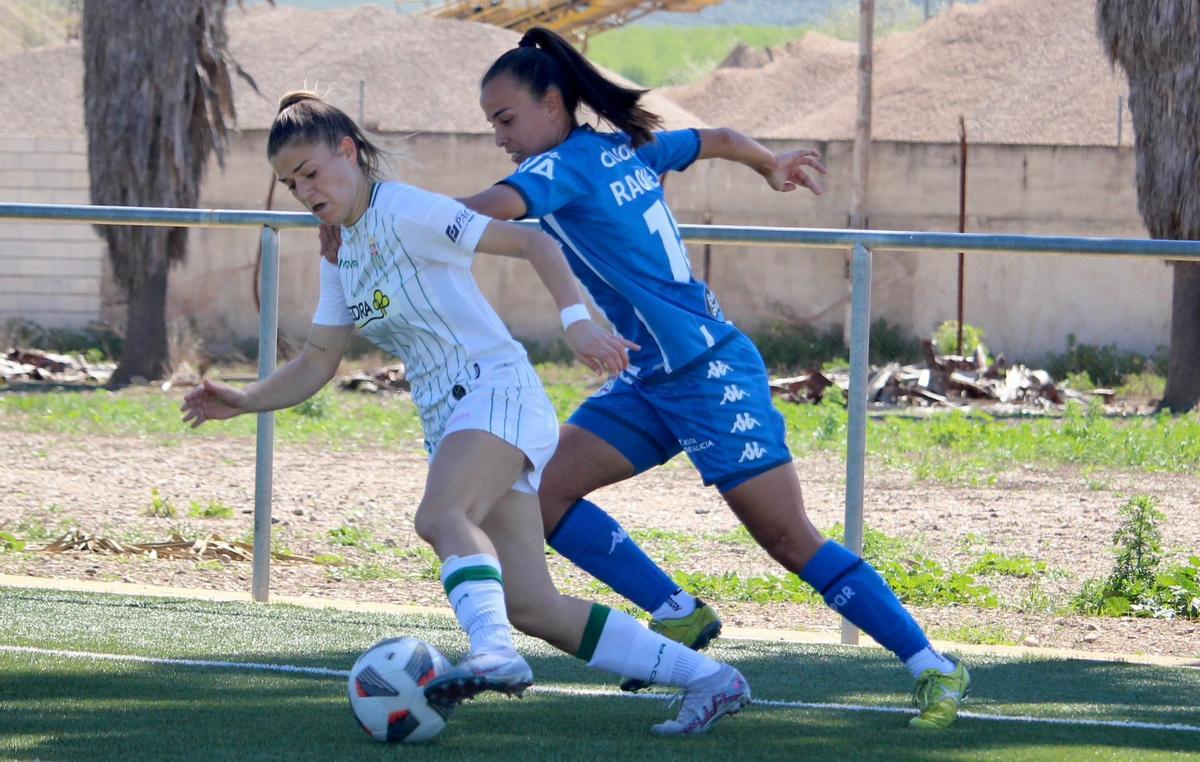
(861, 242)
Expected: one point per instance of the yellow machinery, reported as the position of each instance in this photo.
(582, 18)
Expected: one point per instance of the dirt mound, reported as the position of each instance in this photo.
(419, 75)
(812, 70)
(1019, 71)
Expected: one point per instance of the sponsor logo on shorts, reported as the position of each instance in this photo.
(734, 394)
(718, 369)
(691, 445)
(753, 451)
(743, 422)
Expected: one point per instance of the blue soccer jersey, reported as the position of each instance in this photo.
(603, 201)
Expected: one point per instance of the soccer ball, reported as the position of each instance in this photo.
(387, 691)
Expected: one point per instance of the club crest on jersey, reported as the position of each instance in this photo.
(366, 312)
(710, 301)
(376, 257)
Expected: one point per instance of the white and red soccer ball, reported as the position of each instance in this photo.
(387, 691)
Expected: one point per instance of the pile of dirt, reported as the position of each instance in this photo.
(418, 75)
(1019, 71)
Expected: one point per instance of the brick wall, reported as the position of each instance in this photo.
(50, 273)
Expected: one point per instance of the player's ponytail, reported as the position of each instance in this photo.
(543, 59)
(303, 116)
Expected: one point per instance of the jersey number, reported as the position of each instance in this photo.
(660, 222)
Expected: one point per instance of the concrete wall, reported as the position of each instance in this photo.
(1026, 304)
(49, 273)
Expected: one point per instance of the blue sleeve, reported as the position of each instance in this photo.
(547, 183)
(674, 150)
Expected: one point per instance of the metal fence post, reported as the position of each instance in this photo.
(856, 436)
(268, 326)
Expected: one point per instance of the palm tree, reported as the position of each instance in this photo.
(1157, 43)
(157, 99)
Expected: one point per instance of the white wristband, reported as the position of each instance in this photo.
(573, 314)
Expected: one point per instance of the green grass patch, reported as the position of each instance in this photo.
(969, 448)
(658, 56)
(1007, 566)
(54, 707)
(213, 509)
(352, 536)
(986, 635)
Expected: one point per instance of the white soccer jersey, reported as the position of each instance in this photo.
(403, 278)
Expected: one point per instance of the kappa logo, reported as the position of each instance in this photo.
(753, 451)
(543, 165)
(743, 422)
(718, 369)
(734, 394)
(618, 536)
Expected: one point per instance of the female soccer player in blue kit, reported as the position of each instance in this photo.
(696, 384)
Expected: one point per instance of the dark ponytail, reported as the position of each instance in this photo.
(543, 60)
(304, 117)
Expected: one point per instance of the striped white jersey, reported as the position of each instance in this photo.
(403, 278)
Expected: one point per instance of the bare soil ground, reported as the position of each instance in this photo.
(103, 485)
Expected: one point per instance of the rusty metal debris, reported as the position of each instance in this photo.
(389, 378)
(209, 547)
(35, 365)
(943, 381)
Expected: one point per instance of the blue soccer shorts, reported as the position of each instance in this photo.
(717, 410)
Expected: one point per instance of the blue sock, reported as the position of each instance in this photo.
(856, 591)
(596, 543)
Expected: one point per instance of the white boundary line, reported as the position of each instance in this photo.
(592, 692)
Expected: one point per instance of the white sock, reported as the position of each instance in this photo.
(927, 658)
(476, 594)
(628, 649)
(679, 605)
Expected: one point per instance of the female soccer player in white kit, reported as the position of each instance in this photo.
(402, 277)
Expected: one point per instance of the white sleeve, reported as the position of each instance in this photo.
(331, 308)
(443, 230)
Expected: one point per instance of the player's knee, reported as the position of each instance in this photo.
(553, 511)
(432, 525)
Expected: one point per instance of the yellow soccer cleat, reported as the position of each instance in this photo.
(937, 697)
(696, 630)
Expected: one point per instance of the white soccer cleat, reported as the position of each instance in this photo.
(503, 671)
(707, 700)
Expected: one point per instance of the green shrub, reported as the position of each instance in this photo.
(96, 341)
(788, 347)
(1136, 587)
(945, 338)
(1106, 366)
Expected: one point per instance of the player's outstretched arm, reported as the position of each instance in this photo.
(783, 171)
(595, 347)
(290, 385)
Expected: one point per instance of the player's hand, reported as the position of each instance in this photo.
(790, 171)
(211, 401)
(331, 241)
(604, 352)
